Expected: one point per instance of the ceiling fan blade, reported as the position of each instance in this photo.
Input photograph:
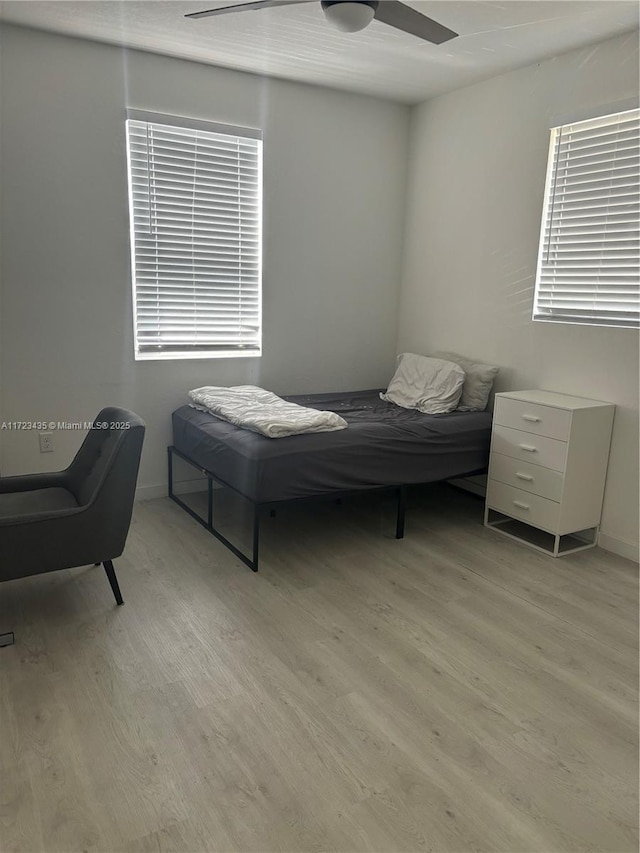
(405, 18)
(242, 7)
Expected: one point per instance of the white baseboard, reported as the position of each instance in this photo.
(183, 487)
(618, 546)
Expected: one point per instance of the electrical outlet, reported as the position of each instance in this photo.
(46, 442)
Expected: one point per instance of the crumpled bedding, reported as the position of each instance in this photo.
(262, 411)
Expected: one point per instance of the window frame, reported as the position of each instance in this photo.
(596, 318)
(191, 124)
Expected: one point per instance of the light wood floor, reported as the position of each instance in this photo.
(450, 692)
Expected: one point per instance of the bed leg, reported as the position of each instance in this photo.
(170, 470)
(210, 502)
(256, 538)
(402, 502)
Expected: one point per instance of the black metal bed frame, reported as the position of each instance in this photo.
(252, 562)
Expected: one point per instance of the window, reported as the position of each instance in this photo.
(588, 265)
(195, 201)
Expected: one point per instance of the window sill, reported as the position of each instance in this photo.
(193, 356)
(561, 321)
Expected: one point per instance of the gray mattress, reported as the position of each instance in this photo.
(383, 445)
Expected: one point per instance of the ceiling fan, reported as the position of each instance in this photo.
(353, 15)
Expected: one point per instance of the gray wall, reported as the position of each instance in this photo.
(476, 180)
(334, 204)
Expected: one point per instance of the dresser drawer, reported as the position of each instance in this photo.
(532, 417)
(523, 475)
(540, 512)
(537, 449)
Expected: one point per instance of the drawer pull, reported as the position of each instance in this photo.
(526, 477)
(531, 418)
(528, 447)
(521, 505)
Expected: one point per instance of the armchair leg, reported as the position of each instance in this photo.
(113, 580)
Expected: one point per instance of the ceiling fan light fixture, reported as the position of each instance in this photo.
(349, 16)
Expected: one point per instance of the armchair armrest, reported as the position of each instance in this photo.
(39, 517)
(29, 482)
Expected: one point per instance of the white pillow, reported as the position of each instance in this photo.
(430, 385)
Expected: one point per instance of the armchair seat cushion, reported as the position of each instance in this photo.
(20, 504)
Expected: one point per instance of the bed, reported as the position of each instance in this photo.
(384, 447)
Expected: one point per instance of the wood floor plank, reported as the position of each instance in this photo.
(450, 692)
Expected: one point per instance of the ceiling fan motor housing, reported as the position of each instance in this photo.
(349, 15)
(372, 3)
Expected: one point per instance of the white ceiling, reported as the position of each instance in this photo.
(297, 43)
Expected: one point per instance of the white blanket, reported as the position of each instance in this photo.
(262, 411)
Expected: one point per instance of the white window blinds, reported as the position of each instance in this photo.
(588, 265)
(195, 197)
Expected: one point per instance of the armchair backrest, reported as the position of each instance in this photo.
(104, 472)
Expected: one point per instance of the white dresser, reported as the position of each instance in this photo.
(547, 469)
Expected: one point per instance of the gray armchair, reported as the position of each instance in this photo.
(77, 516)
